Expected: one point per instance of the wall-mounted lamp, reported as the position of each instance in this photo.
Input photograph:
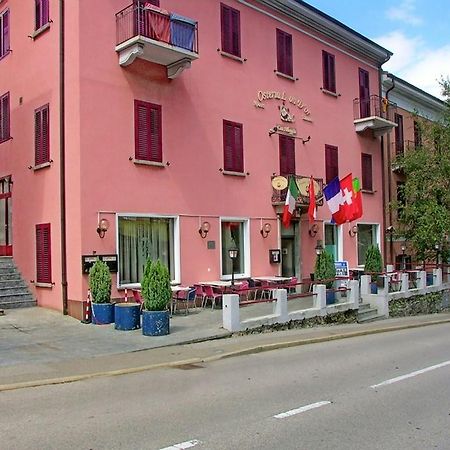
(102, 228)
(313, 230)
(353, 231)
(319, 247)
(204, 229)
(233, 253)
(265, 230)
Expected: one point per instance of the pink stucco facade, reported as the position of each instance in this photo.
(102, 181)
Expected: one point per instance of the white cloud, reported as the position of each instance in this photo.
(404, 12)
(416, 63)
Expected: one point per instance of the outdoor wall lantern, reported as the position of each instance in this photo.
(233, 253)
(204, 229)
(313, 230)
(353, 231)
(102, 228)
(265, 230)
(319, 247)
(437, 247)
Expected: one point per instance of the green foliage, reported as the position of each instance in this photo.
(424, 220)
(155, 286)
(325, 268)
(374, 261)
(100, 282)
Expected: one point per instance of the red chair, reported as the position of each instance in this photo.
(212, 295)
(184, 296)
(242, 290)
(137, 296)
(266, 289)
(199, 294)
(292, 285)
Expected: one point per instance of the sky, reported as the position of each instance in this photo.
(416, 31)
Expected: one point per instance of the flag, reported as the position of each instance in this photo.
(289, 205)
(312, 211)
(357, 208)
(335, 201)
(348, 197)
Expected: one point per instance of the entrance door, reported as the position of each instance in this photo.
(331, 240)
(290, 250)
(364, 93)
(5, 217)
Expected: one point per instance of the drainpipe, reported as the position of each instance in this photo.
(389, 177)
(62, 156)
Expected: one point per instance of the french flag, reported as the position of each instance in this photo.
(335, 201)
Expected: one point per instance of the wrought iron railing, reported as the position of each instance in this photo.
(279, 196)
(139, 20)
(374, 106)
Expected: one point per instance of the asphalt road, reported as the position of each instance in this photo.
(386, 391)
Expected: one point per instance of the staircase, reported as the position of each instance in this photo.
(367, 314)
(14, 292)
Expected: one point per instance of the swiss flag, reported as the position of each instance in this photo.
(348, 198)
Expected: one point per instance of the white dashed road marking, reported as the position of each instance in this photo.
(293, 412)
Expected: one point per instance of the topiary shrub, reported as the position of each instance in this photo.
(374, 261)
(100, 282)
(155, 286)
(325, 268)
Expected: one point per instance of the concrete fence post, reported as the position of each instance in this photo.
(405, 282)
(280, 308)
(354, 293)
(320, 297)
(230, 312)
(437, 277)
(365, 284)
(422, 280)
(389, 268)
(385, 289)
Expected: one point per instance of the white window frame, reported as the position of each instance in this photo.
(176, 246)
(247, 259)
(377, 238)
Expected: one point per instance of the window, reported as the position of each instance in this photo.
(331, 163)
(231, 30)
(148, 125)
(332, 240)
(233, 153)
(4, 33)
(364, 93)
(399, 139)
(287, 155)
(400, 198)
(43, 254)
(141, 238)
(284, 53)
(42, 13)
(234, 234)
(329, 73)
(366, 172)
(41, 135)
(4, 118)
(417, 134)
(367, 236)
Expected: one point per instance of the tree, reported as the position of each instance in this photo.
(424, 218)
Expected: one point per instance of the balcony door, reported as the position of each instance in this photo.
(5, 217)
(287, 155)
(364, 93)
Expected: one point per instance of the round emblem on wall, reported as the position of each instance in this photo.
(279, 183)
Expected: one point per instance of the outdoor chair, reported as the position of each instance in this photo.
(199, 294)
(242, 291)
(266, 289)
(292, 285)
(184, 297)
(212, 295)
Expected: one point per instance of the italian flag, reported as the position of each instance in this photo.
(289, 205)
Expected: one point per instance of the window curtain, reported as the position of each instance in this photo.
(232, 237)
(141, 238)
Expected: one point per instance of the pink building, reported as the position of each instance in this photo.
(160, 131)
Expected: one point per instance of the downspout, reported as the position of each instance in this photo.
(389, 177)
(62, 156)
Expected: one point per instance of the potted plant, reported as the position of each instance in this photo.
(373, 266)
(156, 293)
(100, 286)
(326, 270)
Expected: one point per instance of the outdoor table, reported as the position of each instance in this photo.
(273, 279)
(221, 283)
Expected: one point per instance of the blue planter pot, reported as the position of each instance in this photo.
(102, 313)
(127, 316)
(430, 279)
(155, 323)
(331, 297)
(373, 287)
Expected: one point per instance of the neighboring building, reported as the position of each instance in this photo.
(412, 103)
(174, 127)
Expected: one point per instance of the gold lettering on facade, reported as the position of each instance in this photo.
(286, 130)
(263, 96)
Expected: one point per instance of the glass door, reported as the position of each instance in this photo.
(5, 217)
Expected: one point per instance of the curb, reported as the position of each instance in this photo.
(235, 353)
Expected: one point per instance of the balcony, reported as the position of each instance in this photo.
(374, 113)
(155, 35)
(279, 196)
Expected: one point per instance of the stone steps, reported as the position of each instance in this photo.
(367, 314)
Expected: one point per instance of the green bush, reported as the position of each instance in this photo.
(155, 286)
(100, 282)
(374, 261)
(325, 268)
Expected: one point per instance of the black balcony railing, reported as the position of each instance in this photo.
(139, 20)
(374, 106)
(279, 197)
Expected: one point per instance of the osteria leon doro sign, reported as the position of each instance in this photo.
(264, 96)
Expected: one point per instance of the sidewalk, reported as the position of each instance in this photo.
(39, 346)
